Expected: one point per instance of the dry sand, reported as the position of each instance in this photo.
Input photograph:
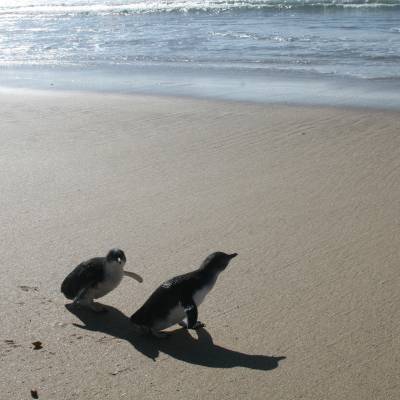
(308, 197)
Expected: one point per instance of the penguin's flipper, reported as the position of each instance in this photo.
(191, 312)
(137, 277)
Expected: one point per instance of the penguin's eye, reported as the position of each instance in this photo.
(119, 259)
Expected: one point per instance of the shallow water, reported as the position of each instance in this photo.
(236, 42)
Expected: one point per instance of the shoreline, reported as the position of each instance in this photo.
(253, 86)
(65, 93)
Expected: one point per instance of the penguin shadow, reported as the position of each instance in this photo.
(180, 345)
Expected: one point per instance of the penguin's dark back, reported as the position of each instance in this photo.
(81, 276)
(167, 296)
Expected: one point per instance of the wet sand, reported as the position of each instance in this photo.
(308, 197)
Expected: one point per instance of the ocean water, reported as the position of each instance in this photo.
(307, 51)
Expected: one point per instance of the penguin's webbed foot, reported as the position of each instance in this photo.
(197, 325)
(83, 300)
(159, 334)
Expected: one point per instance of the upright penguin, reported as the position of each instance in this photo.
(177, 300)
(95, 278)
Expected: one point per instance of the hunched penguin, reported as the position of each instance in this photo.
(176, 301)
(95, 278)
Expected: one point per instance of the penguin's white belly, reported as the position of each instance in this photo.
(111, 281)
(177, 314)
(200, 295)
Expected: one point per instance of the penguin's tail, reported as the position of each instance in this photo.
(67, 289)
(139, 317)
(134, 319)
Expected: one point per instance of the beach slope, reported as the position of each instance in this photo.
(308, 197)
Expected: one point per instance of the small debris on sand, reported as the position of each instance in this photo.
(37, 345)
(34, 394)
(119, 371)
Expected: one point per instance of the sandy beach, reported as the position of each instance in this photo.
(308, 197)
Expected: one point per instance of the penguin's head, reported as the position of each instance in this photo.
(116, 255)
(217, 262)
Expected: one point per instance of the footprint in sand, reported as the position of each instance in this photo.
(29, 288)
(11, 343)
(9, 346)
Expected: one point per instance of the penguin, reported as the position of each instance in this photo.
(95, 278)
(177, 300)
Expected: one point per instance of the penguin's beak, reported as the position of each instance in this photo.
(134, 276)
(119, 260)
(233, 255)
